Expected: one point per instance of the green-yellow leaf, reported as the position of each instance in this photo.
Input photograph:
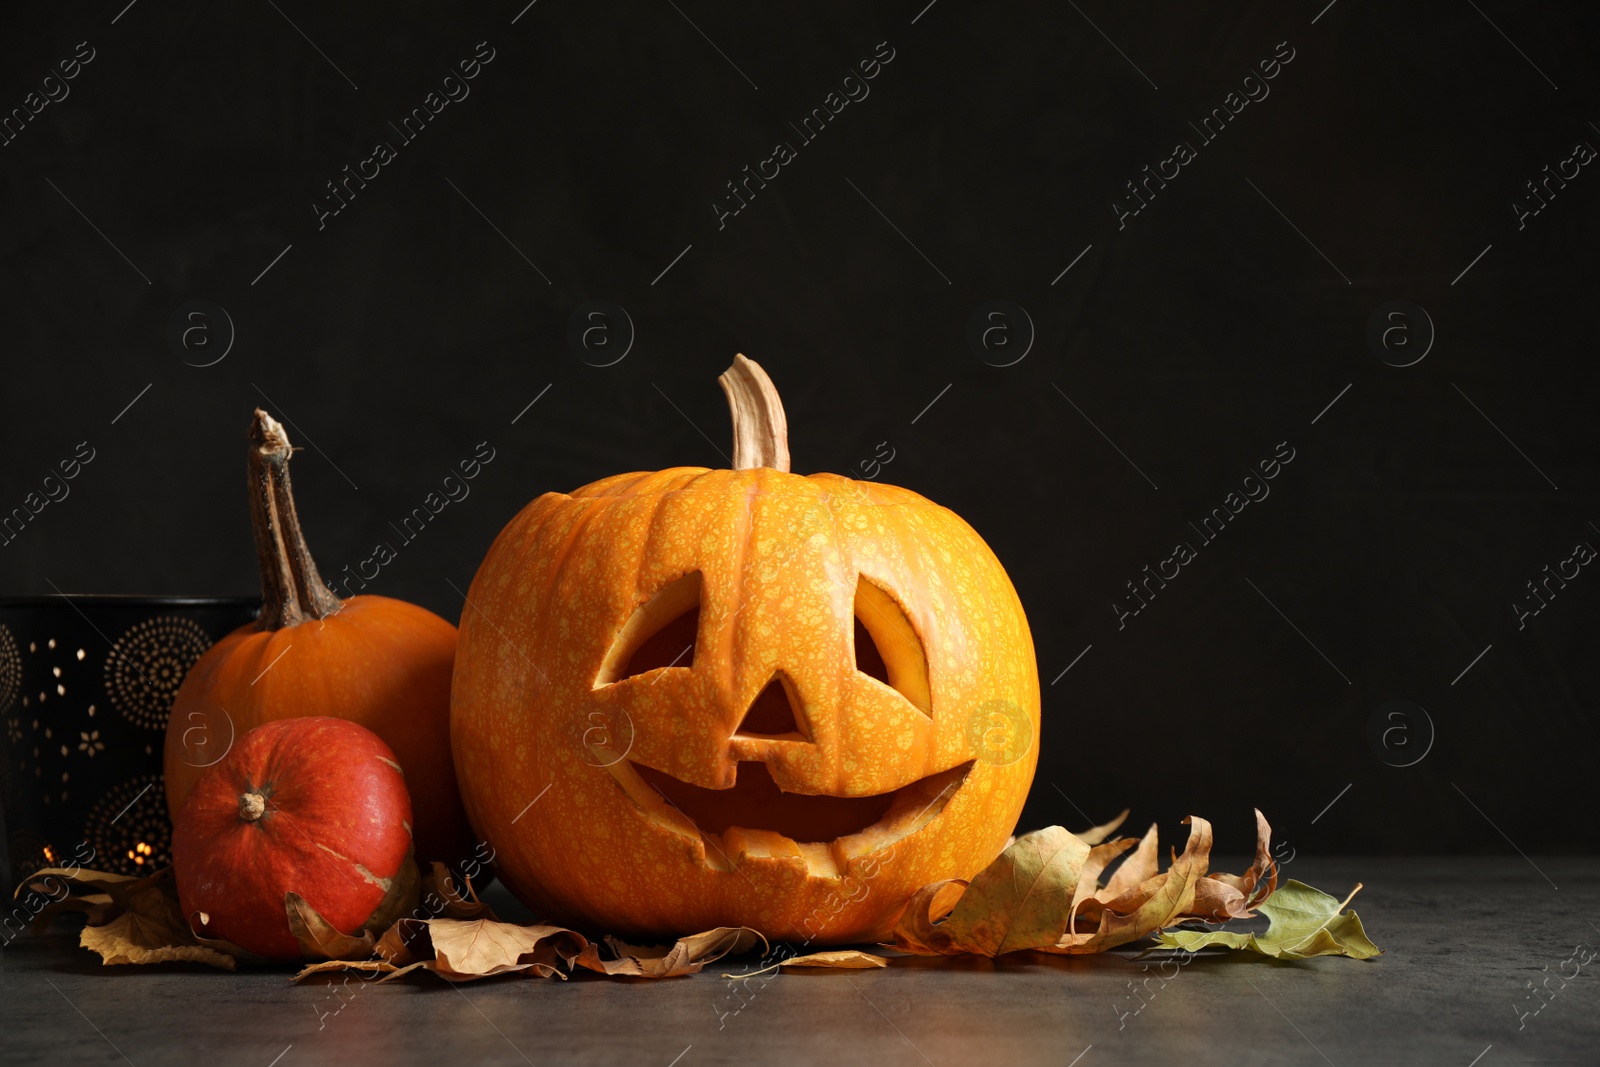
(1304, 922)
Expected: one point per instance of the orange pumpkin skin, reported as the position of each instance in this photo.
(332, 825)
(381, 663)
(560, 774)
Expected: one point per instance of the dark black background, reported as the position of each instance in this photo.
(1197, 338)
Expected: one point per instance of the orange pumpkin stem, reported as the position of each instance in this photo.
(291, 589)
(760, 430)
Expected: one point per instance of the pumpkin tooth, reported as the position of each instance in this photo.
(821, 860)
(741, 843)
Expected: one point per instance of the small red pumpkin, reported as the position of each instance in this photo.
(317, 807)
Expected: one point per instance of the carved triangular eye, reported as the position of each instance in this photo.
(774, 714)
(888, 647)
(660, 633)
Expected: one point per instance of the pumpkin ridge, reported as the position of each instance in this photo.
(561, 556)
(667, 480)
(593, 490)
(846, 623)
(727, 618)
(658, 514)
(627, 489)
(693, 479)
(560, 560)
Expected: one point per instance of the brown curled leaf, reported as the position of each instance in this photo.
(838, 959)
(1096, 834)
(454, 896)
(1153, 904)
(318, 938)
(1139, 867)
(687, 955)
(846, 959)
(917, 930)
(150, 928)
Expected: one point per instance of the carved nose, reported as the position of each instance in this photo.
(775, 713)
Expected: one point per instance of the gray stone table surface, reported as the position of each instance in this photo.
(1464, 938)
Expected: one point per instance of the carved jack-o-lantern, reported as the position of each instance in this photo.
(694, 698)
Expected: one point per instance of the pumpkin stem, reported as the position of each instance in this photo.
(251, 806)
(760, 430)
(291, 589)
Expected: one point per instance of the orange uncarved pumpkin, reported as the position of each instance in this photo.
(372, 660)
(694, 698)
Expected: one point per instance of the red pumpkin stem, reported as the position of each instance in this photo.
(291, 589)
(252, 806)
(760, 429)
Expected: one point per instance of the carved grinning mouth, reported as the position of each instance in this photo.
(756, 819)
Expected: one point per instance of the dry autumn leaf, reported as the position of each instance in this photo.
(462, 950)
(91, 892)
(839, 959)
(1219, 897)
(92, 881)
(917, 932)
(443, 896)
(1089, 890)
(476, 948)
(1022, 899)
(846, 959)
(687, 956)
(321, 940)
(1156, 902)
(465, 949)
(73, 889)
(151, 929)
(1096, 834)
(318, 938)
(1141, 865)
